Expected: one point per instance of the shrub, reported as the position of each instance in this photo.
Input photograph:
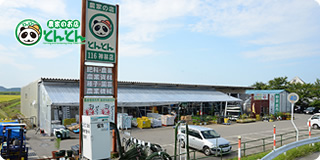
(243, 116)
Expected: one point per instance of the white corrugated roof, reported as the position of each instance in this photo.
(130, 97)
(156, 96)
(264, 91)
(63, 94)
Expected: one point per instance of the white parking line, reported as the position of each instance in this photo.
(167, 145)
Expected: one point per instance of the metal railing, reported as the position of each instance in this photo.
(254, 146)
(287, 147)
(266, 143)
(193, 156)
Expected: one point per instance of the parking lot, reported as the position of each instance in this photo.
(41, 146)
(248, 131)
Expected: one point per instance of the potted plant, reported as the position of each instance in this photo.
(288, 116)
(284, 116)
(57, 145)
(272, 118)
(281, 116)
(195, 122)
(214, 120)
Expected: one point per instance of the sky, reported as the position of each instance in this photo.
(213, 42)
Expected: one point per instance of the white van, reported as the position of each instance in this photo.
(204, 139)
(315, 121)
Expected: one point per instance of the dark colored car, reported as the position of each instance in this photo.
(311, 110)
(298, 109)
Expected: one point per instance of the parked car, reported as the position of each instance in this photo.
(311, 110)
(298, 109)
(204, 139)
(315, 121)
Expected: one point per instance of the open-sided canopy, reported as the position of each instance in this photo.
(135, 97)
(128, 97)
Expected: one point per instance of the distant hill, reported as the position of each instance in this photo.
(3, 89)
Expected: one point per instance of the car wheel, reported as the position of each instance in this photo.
(182, 144)
(207, 151)
(315, 126)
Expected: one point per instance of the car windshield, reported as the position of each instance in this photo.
(208, 134)
(310, 108)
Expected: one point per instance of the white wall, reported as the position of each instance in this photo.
(45, 109)
(29, 101)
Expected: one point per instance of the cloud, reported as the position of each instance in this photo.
(248, 17)
(318, 1)
(48, 7)
(282, 52)
(146, 20)
(50, 52)
(278, 29)
(12, 12)
(137, 49)
(9, 57)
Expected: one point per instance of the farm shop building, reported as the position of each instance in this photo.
(268, 101)
(53, 100)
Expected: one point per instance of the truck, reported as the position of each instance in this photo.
(12, 140)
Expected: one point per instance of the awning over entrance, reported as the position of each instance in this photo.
(135, 97)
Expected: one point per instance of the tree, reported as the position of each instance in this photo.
(316, 89)
(315, 92)
(260, 86)
(309, 94)
(278, 83)
(304, 92)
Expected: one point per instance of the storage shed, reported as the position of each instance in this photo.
(268, 101)
(52, 101)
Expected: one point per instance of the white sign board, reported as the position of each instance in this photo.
(98, 81)
(99, 106)
(101, 30)
(293, 98)
(260, 96)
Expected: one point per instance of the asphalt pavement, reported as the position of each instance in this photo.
(42, 146)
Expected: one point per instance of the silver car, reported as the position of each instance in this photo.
(204, 139)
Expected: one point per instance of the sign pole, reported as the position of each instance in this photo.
(292, 107)
(100, 28)
(274, 137)
(293, 98)
(115, 81)
(239, 147)
(82, 60)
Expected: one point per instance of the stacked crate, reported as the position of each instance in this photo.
(188, 119)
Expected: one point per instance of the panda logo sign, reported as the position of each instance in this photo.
(101, 26)
(28, 32)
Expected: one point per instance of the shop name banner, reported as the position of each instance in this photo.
(260, 97)
(271, 104)
(98, 81)
(99, 106)
(101, 29)
(277, 103)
